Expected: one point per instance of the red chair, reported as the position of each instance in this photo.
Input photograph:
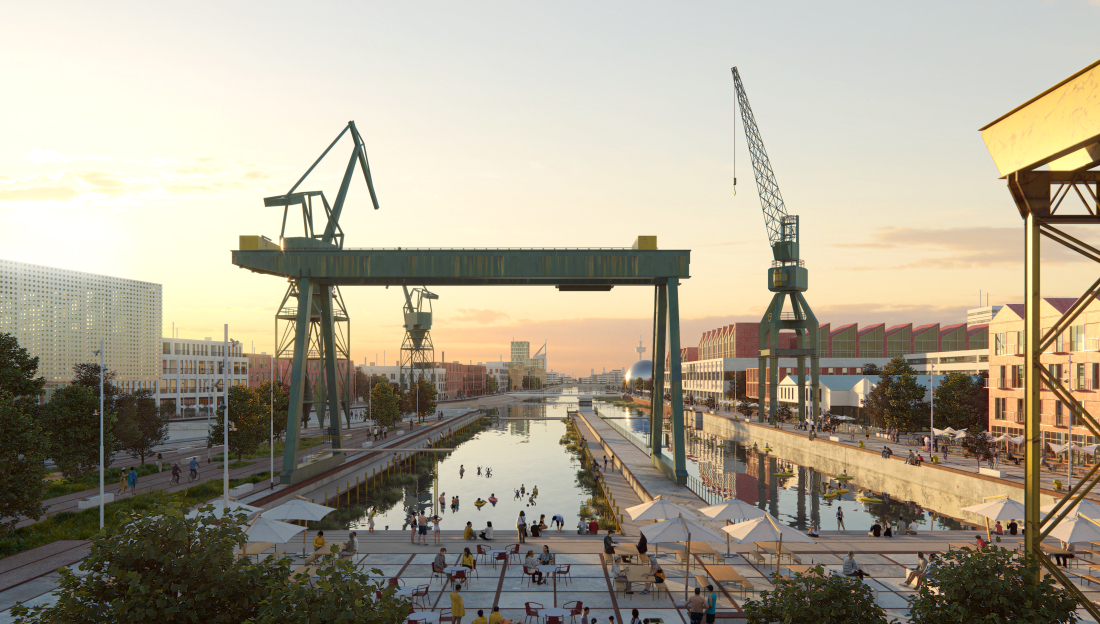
(530, 572)
(563, 572)
(445, 615)
(513, 550)
(396, 582)
(481, 551)
(553, 619)
(575, 608)
(437, 571)
(458, 576)
(474, 569)
(500, 556)
(421, 591)
(532, 609)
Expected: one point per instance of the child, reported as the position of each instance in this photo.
(435, 530)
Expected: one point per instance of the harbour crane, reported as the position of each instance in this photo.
(787, 278)
(417, 351)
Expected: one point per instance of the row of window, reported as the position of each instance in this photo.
(188, 348)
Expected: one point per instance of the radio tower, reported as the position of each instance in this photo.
(640, 349)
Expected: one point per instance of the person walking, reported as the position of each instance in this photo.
(697, 607)
(521, 527)
(122, 483)
(435, 528)
(458, 608)
(132, 480)
(840, 519)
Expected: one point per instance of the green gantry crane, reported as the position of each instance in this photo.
(787, 278)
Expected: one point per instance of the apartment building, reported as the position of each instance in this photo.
(452, 380)
(59, 316)
(193, 374)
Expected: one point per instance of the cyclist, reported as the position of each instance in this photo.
(194, 469)
(176, 473)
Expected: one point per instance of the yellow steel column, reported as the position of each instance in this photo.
(1032, 336)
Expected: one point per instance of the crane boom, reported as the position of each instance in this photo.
(771, 201)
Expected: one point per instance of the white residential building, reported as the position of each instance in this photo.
(193, 373)
(973, 362)
(59, 316)
(499, 371)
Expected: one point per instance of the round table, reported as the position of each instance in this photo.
(493, 555)
(559, 613)
(547, 570)
(424, 616)
(451, 570)
(405, 591)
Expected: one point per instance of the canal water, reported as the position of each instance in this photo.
(519, 453)
(720, 469)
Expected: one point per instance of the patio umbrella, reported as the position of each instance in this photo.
(999, 509)
(1087, 508)
(1076, 529)
(766, 529)
(268, 530)
(299, 509)
(680, 529)
(732, 510)
(658, 509)
(218, 505)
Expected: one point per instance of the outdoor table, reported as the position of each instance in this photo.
(626, 550)
(558, 613)
(547, 570)
(702, 548)
(451, 571)
(493, 555)
(405, 591)
(255, 548)
(424, 616)
(771, 550)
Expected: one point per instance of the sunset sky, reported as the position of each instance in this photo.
(138, 140)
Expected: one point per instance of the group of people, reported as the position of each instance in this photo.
(887, 530)
(419, 524)
(654, 576)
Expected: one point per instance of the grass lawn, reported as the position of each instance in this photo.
(80, 525)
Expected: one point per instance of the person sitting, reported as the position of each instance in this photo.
(887, 531)
(814, 530)
(998, 529)
(656, 573)
(534, 528)
(643, 544)
(1013, 528)
(917, 572)
(903, 526)
(468, 532)
(487, 534)
(618, 575)
(876, 530)
(439, 564)
(531, 566)
(981, 542)
(496, 615)
(351, 546)
(479, 502)
(582, 527)
(593, 526)
(608, 543)
(542, 521)
(466, 560)
(851, 568)
(545, 557)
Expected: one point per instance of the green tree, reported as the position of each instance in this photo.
(979, 444)
(18, 370)
(163, 567)
(141, 424)
(897, 400)
(87, 375)
(871, 368)
(384, 404)
(815, 598)
(962, 401)
(282, 405)
(426, 396)
(990, 585)
(744, 408)
(24, 446)
(783, 413)
(490, 384)
(71, 419)
(249, 420)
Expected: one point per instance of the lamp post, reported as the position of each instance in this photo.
(1069, 431)
(931, 406)
(225, 424)
(100, 354)
(271, 423)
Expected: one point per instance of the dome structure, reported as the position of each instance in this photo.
(642, 369)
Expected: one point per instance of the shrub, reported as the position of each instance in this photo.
(815, 598)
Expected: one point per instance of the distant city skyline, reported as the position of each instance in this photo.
(144, 138)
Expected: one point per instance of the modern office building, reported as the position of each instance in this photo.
(1073, 358)
(59, 316)
(193, 374)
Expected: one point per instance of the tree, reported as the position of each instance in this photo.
(990, 585)
(18, 370)
(897, 400)
(163, 567)
(871, 368)
(87, 375)
(384, 404)
(141, 424)
(24, 446)
(962, 401)
(249, 420)
(490, 384)
(282, 405)
(71, 419)
(784, 413)
(424, 398)
(362, 383)
(815, 598)
(979, 444)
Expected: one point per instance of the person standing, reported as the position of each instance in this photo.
(413, 525)
(458, 608)
(521, 527)
(370, 520)
(712, 604)
(132, 480)
(435, 529)
(422, 525)
(558, 520)
(840, 519)
(697, 607)
(585, 619)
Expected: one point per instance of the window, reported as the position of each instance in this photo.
(167, 349)
(1020, 415)
(1057, 413)
(1080, 377)
(1077, 338)
(999, 408)
(1060, 343)
(1002, 383)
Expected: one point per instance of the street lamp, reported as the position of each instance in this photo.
(100, 354)
(271, 422)
(229, 345)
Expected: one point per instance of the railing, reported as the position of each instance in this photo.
(696, 485)
(641, 441)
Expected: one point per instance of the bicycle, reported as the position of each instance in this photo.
(192, 476)
(915, 440)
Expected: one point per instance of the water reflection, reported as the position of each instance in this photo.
(794, 494)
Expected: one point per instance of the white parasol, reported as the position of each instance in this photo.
(680, 529)
(732, 510)
(999, 509)
(219, 505)
(299, 509)
(1076, 529)
(268, 530)
(658, 509)
(766, 529)
(1087, 508)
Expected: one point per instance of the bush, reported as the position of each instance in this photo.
(815, 598)
(990, 585)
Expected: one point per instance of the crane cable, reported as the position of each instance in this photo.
(735, 155)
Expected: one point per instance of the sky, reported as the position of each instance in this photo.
(138, 140)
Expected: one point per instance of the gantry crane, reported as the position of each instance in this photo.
(417, 351)
(787, 278)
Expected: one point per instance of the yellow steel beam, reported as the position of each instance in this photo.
(1054, 124)
(1032, 334)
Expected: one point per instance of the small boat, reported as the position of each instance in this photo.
(831, 495)
(845, 478)
(783, 474)
(839, 492)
